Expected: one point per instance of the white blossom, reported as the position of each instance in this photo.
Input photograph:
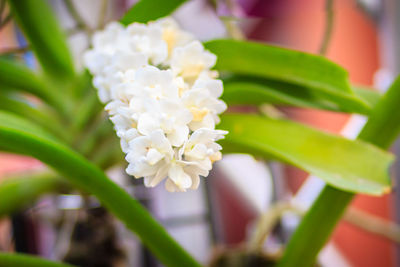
(162, 98)
(191, 60)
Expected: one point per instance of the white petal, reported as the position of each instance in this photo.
(181, 179)
(147, 124)
(154, 156)
(195, 181)
(160, 175)
(179, 135)
(199, 151)
(170, 186)
(161, 142)
(138, 147)
(141, 169)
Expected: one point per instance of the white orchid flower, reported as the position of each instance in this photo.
(162, 98)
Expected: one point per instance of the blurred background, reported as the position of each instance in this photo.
(222, 214)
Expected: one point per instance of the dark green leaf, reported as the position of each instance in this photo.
(146, 10)
(349, 165)
(20, 136)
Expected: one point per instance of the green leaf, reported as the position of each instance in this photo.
(15, 76)
(255, 91)
(381, 129)
(41, 28)
(15, 104)
(15, 122)
(19, 136)
(383, 125)
(369, 95)
(147, 10)
(292, 67)
(24, 260)
(353, 166)
(16, 193)
(252, 92)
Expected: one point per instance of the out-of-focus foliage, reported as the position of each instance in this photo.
(64, 127)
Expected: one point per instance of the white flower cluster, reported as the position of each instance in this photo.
(162, 98)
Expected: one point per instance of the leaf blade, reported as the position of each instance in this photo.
(147, 10)
(349, 165)
(254, 91)
(263, 61)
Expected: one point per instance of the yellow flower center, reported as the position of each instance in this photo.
(169, 36)
(198, 114)
(215, 157)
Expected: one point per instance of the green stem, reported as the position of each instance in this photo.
(381, 130)
(21, 260)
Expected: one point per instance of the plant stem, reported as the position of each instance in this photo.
(381, 129)
(373, 224)
(15, 50)
(102, 15)
(80, 23)
(328, 27)
(316, 227)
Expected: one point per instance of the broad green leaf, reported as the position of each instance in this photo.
(18, 192)
(19, 136)
(146, 10)
(25, 260)
(288, 66)
(353, 166)
(41, 28)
